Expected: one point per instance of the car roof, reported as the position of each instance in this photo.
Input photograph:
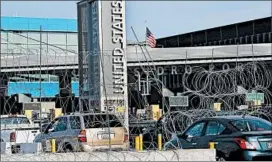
(84, 114)
(235, 117)
(12, 116)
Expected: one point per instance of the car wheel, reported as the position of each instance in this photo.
(67, 148)
(221, 159)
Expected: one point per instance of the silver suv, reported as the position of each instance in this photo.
(85, 132)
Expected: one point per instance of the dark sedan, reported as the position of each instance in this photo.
(235, 137)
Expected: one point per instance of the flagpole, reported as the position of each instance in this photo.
(145, 32)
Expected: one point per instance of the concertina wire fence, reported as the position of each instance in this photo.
(202, 85)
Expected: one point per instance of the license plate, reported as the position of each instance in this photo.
(269, 145)
(105, 136)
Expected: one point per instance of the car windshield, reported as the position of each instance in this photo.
(14, 120)
(246, 125)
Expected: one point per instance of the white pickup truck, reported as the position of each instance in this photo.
(17, 129)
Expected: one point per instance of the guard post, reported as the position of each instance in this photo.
(159, 142)
(53, 145)
(137, 143)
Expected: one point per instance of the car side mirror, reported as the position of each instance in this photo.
(44, 127)
(187, 137)
(51, 130)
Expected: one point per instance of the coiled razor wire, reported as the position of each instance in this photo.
(208, 86)
(203, 87)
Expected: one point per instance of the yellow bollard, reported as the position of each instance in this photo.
(137, 143)
(212, 145)
(53, 145)
(141, 142)
(28, 114)
(159, 142)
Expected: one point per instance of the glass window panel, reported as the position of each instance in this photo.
(75, 122)
(61, 125)
(4, 49)
(17, 37)
(21, 49)
(214, 128)
(73, 48)
(72, 39)
(4, 37)
(196, 130)
(33, 38)
(44, 37)
(34, 47)
(57, 38)
(57, 49)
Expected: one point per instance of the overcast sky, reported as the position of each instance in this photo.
(164, 18)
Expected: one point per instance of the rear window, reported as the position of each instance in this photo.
(100, 121)
(246, 125)
(14, 120)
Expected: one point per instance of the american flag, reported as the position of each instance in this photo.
(150, 39)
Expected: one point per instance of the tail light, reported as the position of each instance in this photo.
(12, 137)
(245, 145)
(125, 136)
(82, 136)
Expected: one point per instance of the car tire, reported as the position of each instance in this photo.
(67, 148)
(221, 159)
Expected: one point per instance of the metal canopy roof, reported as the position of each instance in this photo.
(201, 52)
(136, 57)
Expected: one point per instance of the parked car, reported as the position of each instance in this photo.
(167, 126)
(235, 137)
(17, 129)
(85, 132)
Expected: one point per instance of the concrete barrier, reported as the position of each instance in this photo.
(25, 148)
(5, 148)
(176, 155)
(30, 148)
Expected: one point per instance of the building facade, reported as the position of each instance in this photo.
(248, 32)
(26, 41)
(23, 36)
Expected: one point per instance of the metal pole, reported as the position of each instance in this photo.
(40, 79)
(163, 101)
(145, 32)
(101, 53)
(270, 30)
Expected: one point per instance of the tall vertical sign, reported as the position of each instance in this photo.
(107, 66)
(94, 53)
(113, 57)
